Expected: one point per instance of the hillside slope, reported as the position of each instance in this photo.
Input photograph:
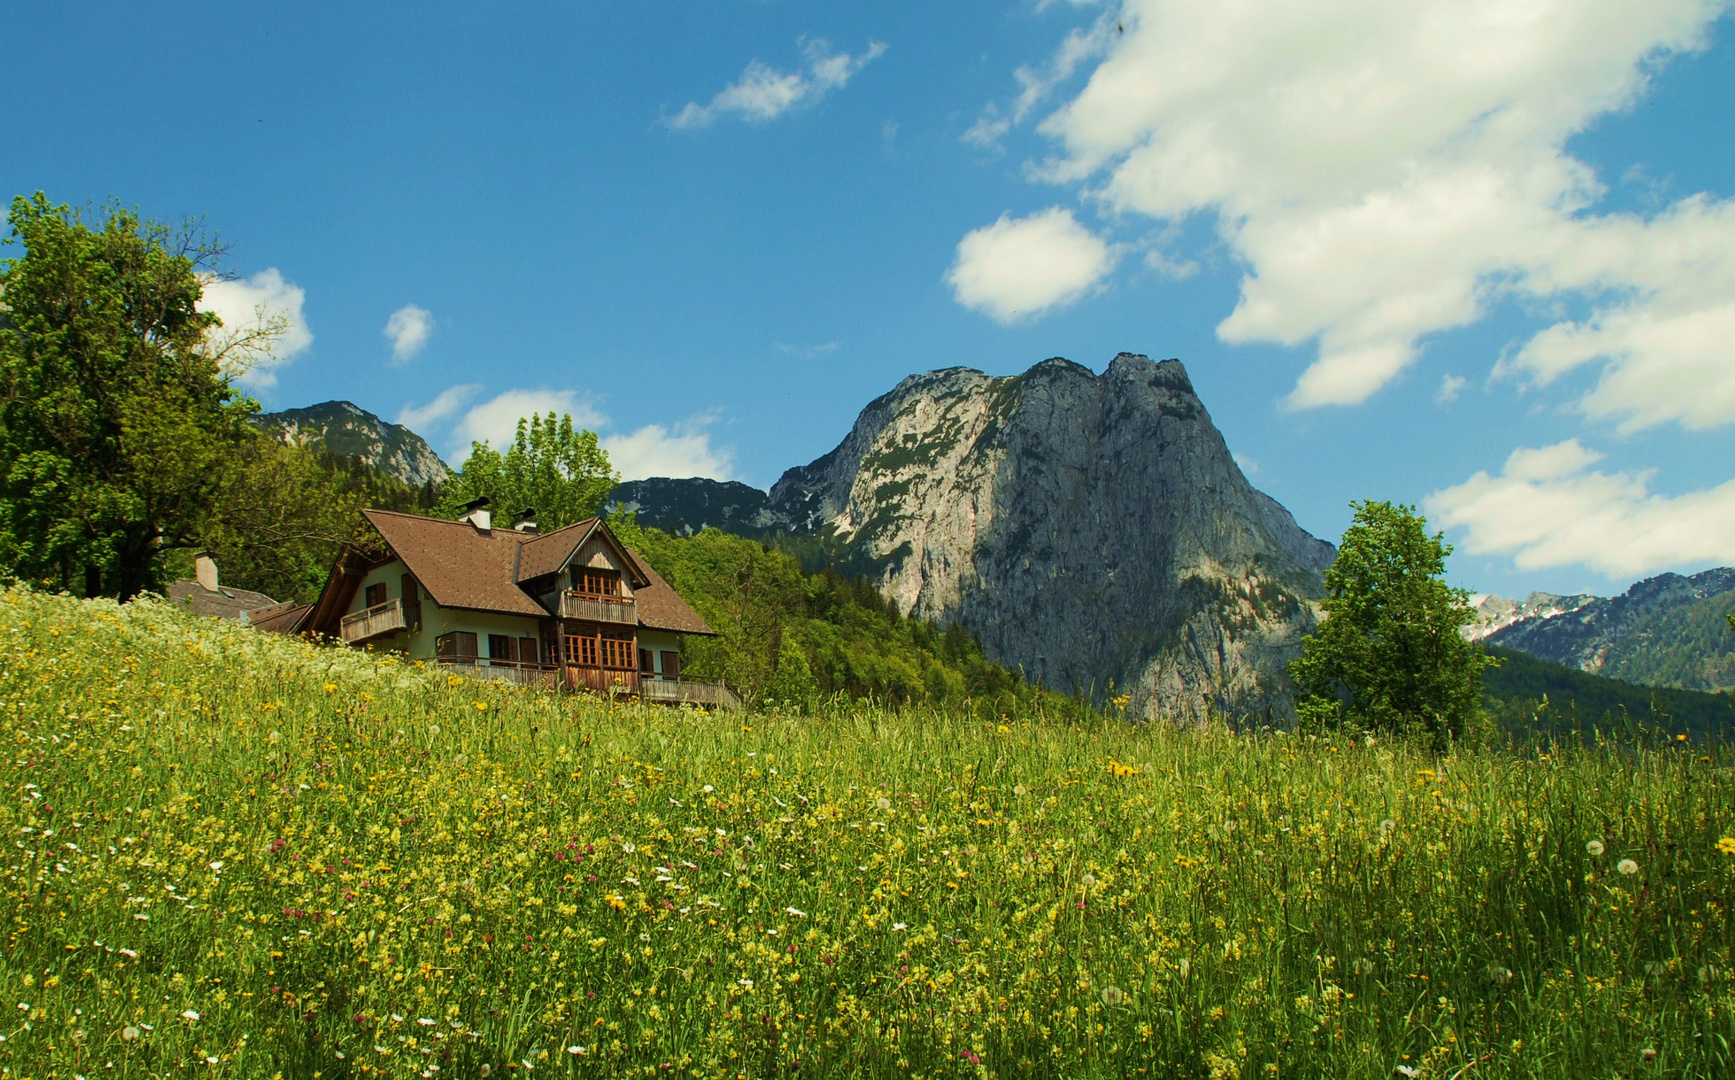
(1665, 631)
(1516, 693)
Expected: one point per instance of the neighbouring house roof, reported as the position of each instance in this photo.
(461, 566)
(222, 603)
(284, 618)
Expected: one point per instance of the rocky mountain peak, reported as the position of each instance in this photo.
(1093, 529)
(348, 429)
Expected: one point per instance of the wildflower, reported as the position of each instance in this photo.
(708, 789)
(900, 926)
(628, 847)
(970, 1056)
(190, 1014)
(748, 983)
(883, 803)
(129, 1033)
(1627, 867)
(1407, 1072)
(617, 902)
(424, 1021)
(1088, 881)
(1363, 966)
(433, 729)
(573, 1050)
(217, 865)
(796, 913)
(274, 737)
(1020, 791)
(1727, 845)
(1387, 826)
(1594, 847)
(1498, 975)
(1113, 996)
(1649, 1053)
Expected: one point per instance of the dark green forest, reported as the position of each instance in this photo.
(1527, 697)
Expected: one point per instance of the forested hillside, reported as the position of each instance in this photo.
(796, 638)
(1526, 697)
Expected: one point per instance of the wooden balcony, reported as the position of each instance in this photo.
(711, 693)
(614, 610)
(373, 622)
(509, 671)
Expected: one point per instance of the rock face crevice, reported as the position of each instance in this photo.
(1094, 531)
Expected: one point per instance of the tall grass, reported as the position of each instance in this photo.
(236, 855)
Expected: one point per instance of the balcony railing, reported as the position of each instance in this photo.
(600, 680)
(512, 671)
(373, 622)
(712, 693)
(603, 609)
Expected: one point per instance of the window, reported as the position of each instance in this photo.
(592, 582)
(581, 651)
(412, 603)
(608, 649)
(617, 652)
(376, 594)
(527, 650)
(647, 665)
(501, 647)
(671, 665)
(457, 645)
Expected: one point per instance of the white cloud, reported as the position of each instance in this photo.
(1018, 268)
(495, 421)
(1450, 387)
(808, 352)
(682, 451)
(449, 401)
(1547, 509)
(1388, 171)
(1034, 86)
(408, 329)
(763, 93)
(263, 326)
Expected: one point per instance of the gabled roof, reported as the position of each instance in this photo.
(284, 618)
(462, 567)
(459, 565)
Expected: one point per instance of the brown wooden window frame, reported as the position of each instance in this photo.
(452, 646)
(374, 595)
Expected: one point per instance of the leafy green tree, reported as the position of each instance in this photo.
(118, 427)
(560, 471)
(286, 512)
(792, 685)
(1389, 655)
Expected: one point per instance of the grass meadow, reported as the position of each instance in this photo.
(231, 855)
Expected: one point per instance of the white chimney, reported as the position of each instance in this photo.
(205, 569)
(478, 515)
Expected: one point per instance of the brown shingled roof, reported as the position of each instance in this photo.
(460, 566)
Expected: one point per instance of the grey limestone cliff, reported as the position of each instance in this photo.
(1094, 531)
(352, 431)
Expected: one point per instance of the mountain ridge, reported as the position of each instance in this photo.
(351, 431)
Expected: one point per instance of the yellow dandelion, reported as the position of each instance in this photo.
(1727, 845)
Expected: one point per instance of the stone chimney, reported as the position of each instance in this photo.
(476, 513)
(205, 569)
(525, 521)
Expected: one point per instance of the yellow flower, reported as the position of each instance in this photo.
(481, 706)
(1118, 771)
(617, 902)
(1727, 845)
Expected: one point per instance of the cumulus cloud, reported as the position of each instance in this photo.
(681, 451)
(263, 325)
(408, 329)
(495, 421)
(1549, 508)
(763, 93)
(448, 402)
(1388, 171)
(1018, 268)
(1036, 84)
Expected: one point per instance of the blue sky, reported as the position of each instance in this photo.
(1466, 254)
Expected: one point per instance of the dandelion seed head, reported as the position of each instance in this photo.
(1627, 867)
(1594, 847)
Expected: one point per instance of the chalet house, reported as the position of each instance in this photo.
(572, 608)
(205, 595)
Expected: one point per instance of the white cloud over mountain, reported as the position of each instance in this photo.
(1019, 268)
(1387, 171)
(408, 330)
(1548, 508)
(680, 449)
(263, 325)
(763, 93)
